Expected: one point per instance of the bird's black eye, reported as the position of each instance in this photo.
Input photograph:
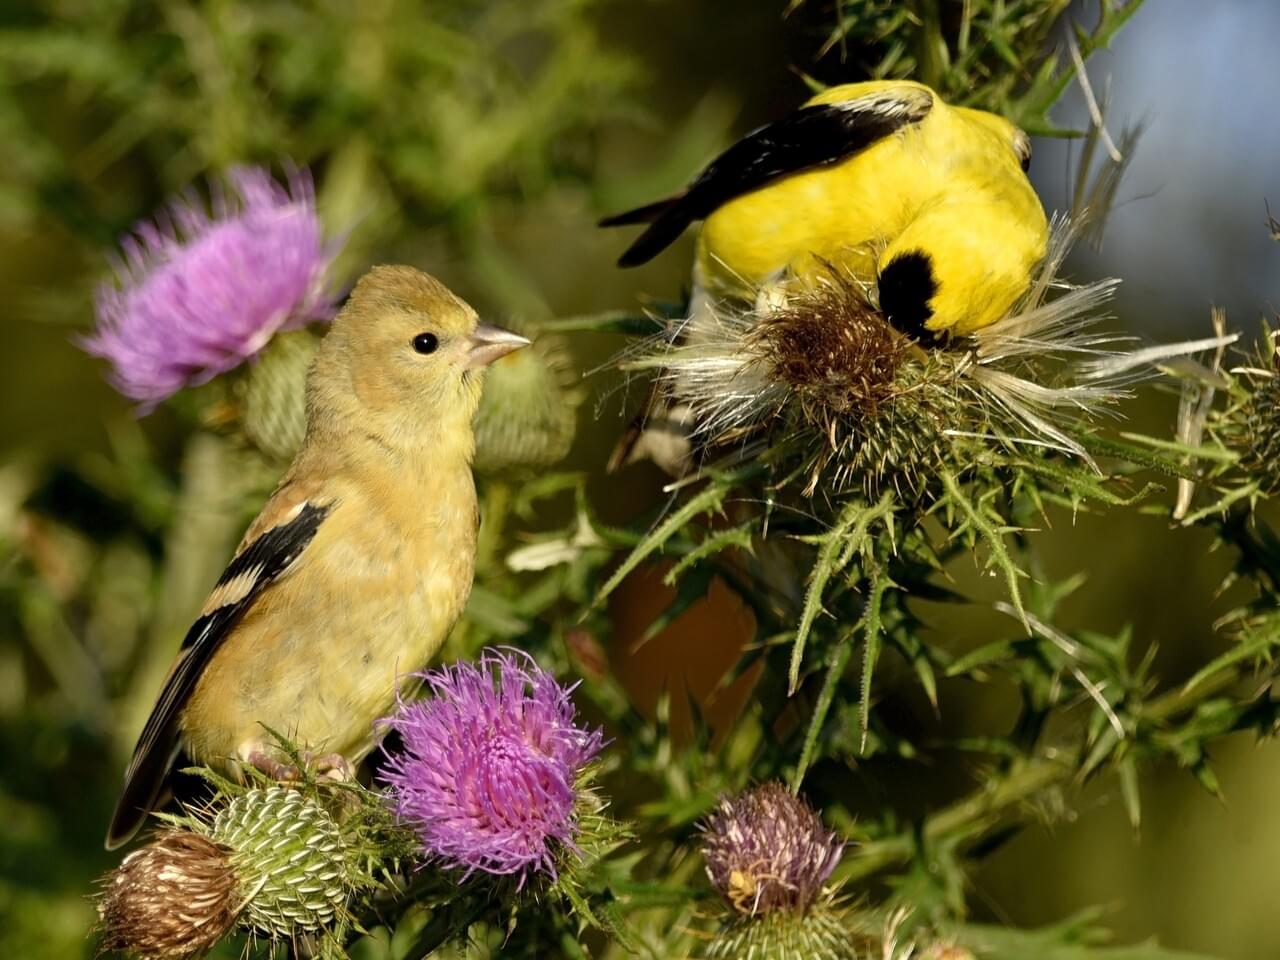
(426, 342)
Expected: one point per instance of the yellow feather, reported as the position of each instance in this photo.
(950, 187)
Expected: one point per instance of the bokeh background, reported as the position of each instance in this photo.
(480, 141)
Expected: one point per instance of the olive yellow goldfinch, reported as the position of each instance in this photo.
(360, 562)
(929, 202)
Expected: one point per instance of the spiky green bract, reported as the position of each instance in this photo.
(1246, 425)
(272, 395)
(528, 409)
(1260, 432)
(578, 881)
(826, 931)
(290, 858)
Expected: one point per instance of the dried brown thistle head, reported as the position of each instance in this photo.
(857, 383)
(175, 897)
(832, 348)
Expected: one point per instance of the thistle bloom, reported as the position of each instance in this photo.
(489, 765)
(197, 295)
(766, 851)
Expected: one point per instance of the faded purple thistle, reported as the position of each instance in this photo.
(767, 850)
(488, 768)
(196, 295)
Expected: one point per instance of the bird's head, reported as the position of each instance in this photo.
(405, 357)
(1004, 131)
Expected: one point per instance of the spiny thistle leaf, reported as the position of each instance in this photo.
(998, 555)
(708, 500)
(840, 655)
(851, 533)
(880, 582)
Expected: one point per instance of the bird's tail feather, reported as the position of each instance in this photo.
(143, 786)
(661, 234)
(646, 214)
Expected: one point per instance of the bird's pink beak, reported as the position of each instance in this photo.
(490, 343)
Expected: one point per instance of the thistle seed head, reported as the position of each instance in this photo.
(832, 348)
(175, 897)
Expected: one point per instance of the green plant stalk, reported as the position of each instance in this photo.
(984, 809)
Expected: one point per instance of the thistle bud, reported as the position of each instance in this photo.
(528, 410)
(273, 407)
(175, 897)
(288, 854)
(1256, 432)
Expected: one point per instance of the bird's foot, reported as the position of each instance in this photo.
(330, 766)
(279, 770)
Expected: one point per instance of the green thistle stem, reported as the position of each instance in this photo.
(982, 811)
(839, 660)
(931, 54)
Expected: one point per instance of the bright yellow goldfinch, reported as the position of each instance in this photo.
(929, 202)
(360, 562)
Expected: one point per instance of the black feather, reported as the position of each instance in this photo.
(646, 214)
(906, 288)
(267, 558)
(810, 137)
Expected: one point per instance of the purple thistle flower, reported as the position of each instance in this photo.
(196, 295)
(488, 768)
(766, 850)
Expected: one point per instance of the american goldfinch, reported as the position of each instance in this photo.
(360, 562)
(929, 202)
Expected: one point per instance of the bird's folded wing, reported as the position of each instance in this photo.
(270, 550)
(810, 137)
